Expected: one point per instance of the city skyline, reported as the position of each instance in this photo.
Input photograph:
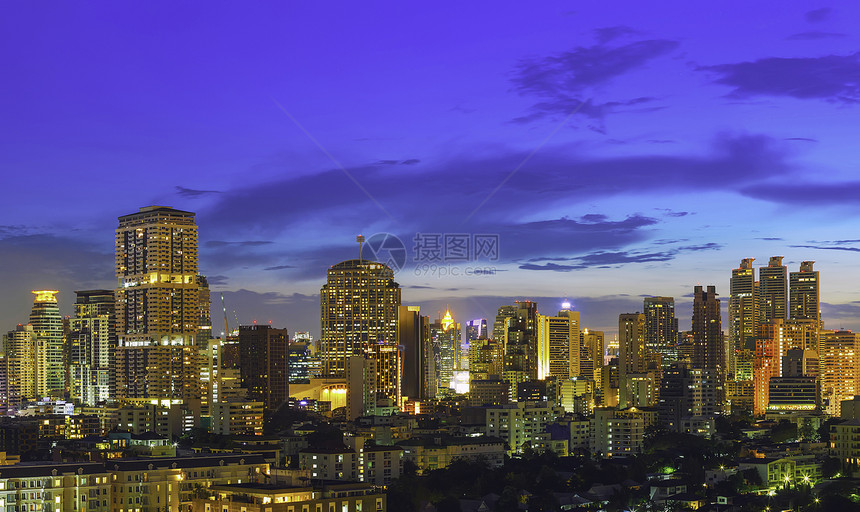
(603, 186)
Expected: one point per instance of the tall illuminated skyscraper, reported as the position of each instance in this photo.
(558, 345)
(708, 344)
(773, 291)
(48, 327)
(157, 305)
(92, 340)
(631, 352)
(840, 368)
(445, 338)
(743, 318)
(804, 293)
(661, 327)
(358, 316)
(517, 326)
(21, 359)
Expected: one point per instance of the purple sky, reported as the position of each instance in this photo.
(618, 151)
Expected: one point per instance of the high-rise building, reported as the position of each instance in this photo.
(804, 293)
(486, 360)
(92, 342)
(708, 344)
(21, 359)
(204, 305)
(359, 310)
(516, 327)
(840, 368)
(661, 327)
(418, 359)
(445, 338)
(558, 345)
(773, 291)
(48, 327)
(264, 364)
(358, 315)
(743, 317)
(157, 306)
(592, 354)
(475, 330)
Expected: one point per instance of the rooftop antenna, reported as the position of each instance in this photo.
(360, 240)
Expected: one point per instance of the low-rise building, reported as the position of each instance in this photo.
(845, 441)
(378, 465)
(522, 424)
(436, 452)
(620, 432)
(354, 497)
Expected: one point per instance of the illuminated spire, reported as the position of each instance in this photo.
(447, 320)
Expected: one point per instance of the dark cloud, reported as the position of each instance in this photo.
(770, 238)
(831, 77)
(387, 162)
(803, 139)
(192, 193)
(661, 141)
(279, 267)
(217, 280)
(815, 35)
(410, 161)
(604, 259)
(565, 82)
(818, 15)
(800, 193)
(827, 248)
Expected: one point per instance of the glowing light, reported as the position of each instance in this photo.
(565, 305)
(46, 295)
(447, 321)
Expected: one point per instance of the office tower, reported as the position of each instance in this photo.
(48, 327)
(661, 327)
(21, 360)
(516, 327)
(92, 341)
(264, 364)
(445, 338)
(558, 345)
(773, 291)
(743, 317)
(840, 368)
(804, 294)
(358, 311)
(204, 305)
(476, 330)
(708, 344)
(419, 362)
(591, 355)
(798, 362)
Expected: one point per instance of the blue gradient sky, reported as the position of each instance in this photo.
(653, 146)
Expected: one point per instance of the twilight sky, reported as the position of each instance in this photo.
(618, 150)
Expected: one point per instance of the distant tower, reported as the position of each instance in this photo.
(264, 354)
(709, 347)
(204, 305)
(19, 348)
(92, 337)
(418, 362)
(773, 290)
(558, 345)
(631, 352)
(445, 338)
(157, 305)
(516, 327)
(661, 327)
(840, 368)
(743, 318)
(48, 327)
(805, 298)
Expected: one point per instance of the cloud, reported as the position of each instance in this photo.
(803, 139)
(770, 238)
(296, 312)
(410, 161)
(804, 193)
(832, 77)
(565, 82)
(608, 34)
(246, 243)
(217, 280)
(815, 35)
(279, 267)
(193, 193)
(604, 259)
(818, 15)
(827, 248)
